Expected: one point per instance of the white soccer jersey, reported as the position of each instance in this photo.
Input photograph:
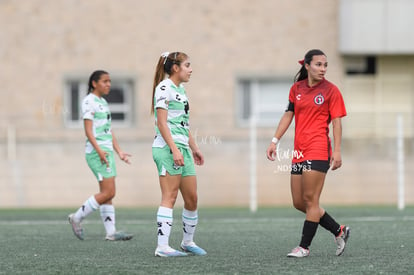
(173, 99)
(97, 110)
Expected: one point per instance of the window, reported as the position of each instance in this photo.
(120, 101)
(267, 97)
(361, 65)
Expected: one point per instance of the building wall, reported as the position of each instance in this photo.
(44, 42)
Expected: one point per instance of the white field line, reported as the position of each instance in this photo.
(211, 220)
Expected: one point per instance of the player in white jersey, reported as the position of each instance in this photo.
(172, 155)
(100, 145)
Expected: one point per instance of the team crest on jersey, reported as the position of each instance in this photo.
(319, 99)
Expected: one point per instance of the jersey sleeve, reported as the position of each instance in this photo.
(291, 104)
(336, 104)
(87, 109)
(162, 97)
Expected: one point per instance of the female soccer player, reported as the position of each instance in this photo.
(171, 152)
(315, 102)
(100, 144)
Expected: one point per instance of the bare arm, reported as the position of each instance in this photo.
(284, 124)
(122, 155)
(198, 156)
(88, 126)
(336, 160)
(162, 115)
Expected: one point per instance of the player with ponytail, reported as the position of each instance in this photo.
(99, 150)
(174, 152)
(314, 102)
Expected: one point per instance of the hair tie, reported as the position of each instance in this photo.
(302, 62)
(165, 55)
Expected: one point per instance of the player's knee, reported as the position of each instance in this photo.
(309, 201)
(191, 202)
(299, 205)
(109, 194)
(169, 200)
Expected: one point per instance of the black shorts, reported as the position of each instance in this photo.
(309, 165)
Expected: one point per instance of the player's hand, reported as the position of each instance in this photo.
(271, 151)
(102, 155)
(198, 157)
(124, 157)
(178, 157)
(336, 160)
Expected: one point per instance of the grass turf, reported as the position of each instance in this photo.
(40, 241)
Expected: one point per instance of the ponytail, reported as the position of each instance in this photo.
(159, 76)
(165, 64)
(303, 73)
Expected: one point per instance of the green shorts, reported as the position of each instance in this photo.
(163, 158)
(100, 170)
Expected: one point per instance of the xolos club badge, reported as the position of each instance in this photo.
(319, 99)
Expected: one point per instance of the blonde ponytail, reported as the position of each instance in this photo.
(159, 76)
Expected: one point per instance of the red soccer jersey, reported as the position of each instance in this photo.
(314, 108)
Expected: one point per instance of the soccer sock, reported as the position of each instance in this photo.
(190, 219)
(308, 232)
(108, 218)
(164, 221)
(89, 206)
(330, 224)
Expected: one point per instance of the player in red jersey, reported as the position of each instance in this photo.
(315, 103)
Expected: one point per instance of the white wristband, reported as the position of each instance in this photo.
(275, 140)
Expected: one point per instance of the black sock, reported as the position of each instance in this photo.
(330, 224)
(309, 230)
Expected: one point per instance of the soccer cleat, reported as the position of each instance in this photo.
(169, 252)
(119, 236)
(342, 239)
(76, 227)
(298, 252)
(194, 249)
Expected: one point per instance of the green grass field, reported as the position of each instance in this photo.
(237, 242)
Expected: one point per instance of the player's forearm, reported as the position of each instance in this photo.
(166, 134)
(337, 134)
(115, 144)
(283, 124)
(192, 143)
(90, 136)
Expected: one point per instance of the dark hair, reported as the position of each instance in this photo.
(164, 66)
(303, 73)
(95, 76)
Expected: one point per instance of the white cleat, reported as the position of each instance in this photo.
(76, 227)
(119, 236)
(298, 252)
(193, 249)
(167, 251)
(342, 239)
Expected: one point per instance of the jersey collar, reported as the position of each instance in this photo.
(173, 84)
(319, 83)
